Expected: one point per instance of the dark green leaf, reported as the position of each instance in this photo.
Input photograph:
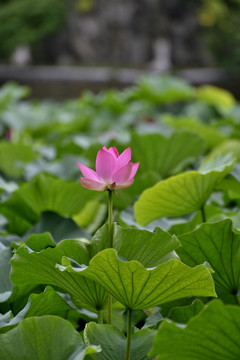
(113, 342)
(219, 245)
(213, 334)
(44, 338)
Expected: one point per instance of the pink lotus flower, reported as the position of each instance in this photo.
(112, 171)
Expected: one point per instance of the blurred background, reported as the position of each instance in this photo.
(102, 43)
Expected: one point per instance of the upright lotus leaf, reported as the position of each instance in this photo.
(219, 245)
(149, 248)
(113, 342)
(44, 338)
(14, 156)
(46, 193)
(41, 269)
(173, 153)
(213, 335)
(182, 194)
(5, 283)
(137, 288)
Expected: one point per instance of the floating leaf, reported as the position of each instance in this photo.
(213, 334)
(219, 245)
(113, 342)
(183, 193)
(137, 288)
(45, 338)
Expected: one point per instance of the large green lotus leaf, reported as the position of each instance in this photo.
(149, 248)
(211, 135)
(113, 342)
(44, 338)
(182, 194)
(213, 335)
(13, 157)
(219, 245)
(41, 269)
(5, 283)
(166, 155)
(137, 288)
(46, 193)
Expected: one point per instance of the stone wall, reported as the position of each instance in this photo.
(158, 33)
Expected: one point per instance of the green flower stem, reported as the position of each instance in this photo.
(100, 317)
(129, 334)
(110, 211)
(110, 245)
(109, 309)
(203, 214)
(237, 299)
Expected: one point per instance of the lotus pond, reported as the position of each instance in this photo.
(147, 266)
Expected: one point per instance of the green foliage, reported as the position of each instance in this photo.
(24, 22)
(56, 268)
(221, 33)
(181, 194)
(218, 245)
(213, 335)
(138, 288)
(113, 342)
(47, 338)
